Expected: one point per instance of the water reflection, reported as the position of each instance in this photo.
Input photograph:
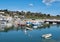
(58, 25)
(49, 40)
(25, 35)
(23, 28)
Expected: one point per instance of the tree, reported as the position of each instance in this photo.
(57, 15)
(48, 15)
(22, 13)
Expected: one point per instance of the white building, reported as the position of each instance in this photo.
(9, 18)
(2, 17)
(2, 12)
(6, 20)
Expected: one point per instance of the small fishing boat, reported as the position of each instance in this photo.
(29, 28)
(54, 23)
(28, 23)
(35, 26)
(46, 36)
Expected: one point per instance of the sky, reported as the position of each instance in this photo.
(45, 6)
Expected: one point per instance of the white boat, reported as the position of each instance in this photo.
(46, 36)
(54, 23)
(29, 28)
(28, 23)
(35, 26)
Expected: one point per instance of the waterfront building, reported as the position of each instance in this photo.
(2, 12)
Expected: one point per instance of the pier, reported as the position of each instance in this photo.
(52, 21)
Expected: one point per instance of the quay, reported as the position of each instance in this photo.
(52, 21)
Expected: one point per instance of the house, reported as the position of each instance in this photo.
(5, 20)
(2, 17)
(2, 12)
(9, 18)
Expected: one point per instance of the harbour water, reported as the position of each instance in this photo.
(23, 35)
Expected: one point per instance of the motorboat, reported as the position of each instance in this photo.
(35, 26)
(46, 36)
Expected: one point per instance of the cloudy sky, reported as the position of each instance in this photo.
(45, 6)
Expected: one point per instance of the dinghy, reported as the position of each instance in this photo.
(46, 36)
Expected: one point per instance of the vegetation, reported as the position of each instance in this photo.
(29, 14)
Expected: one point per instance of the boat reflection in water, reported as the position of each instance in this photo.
(25, 34)
(25, 31)
(9, 26)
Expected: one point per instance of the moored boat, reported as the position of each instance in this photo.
(46, 36)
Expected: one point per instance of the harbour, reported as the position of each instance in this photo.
(35, 35)
(29, 20)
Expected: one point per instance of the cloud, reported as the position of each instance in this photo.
(31, 4)
(48, 2)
